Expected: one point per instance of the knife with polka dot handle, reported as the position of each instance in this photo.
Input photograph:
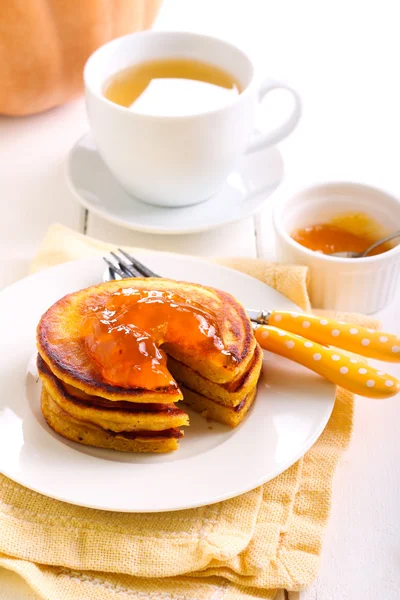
(346, 371)
(329, 332)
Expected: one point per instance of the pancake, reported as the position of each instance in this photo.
(229, 394)
(114, 358)
(91, 435)
(209, 332)
(115, 416)
(210, 409)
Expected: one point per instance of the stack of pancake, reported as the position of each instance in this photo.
(96, 421)
(103, 355)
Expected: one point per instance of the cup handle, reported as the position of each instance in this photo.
(263, 140)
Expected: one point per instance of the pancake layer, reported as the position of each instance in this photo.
(210, 409)
(91, 435)
(115, 416)
(65, 350)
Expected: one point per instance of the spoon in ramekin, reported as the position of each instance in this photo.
(349, 254)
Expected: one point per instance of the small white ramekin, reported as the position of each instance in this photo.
(364, 284)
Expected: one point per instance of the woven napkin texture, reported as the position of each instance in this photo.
(244, 548)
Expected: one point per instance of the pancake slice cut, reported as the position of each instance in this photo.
(92, 435)
(210, 409)
(229, 394)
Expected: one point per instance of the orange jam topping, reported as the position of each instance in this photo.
(123, 335)
(352, 232)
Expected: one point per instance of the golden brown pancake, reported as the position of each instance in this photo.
(91, 435)
(221, 356)
(210, 409)
(115, 416)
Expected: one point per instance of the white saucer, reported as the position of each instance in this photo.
(243, 194)
(213, 462)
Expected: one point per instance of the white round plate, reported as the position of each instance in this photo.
(243, 194)
(213, 462)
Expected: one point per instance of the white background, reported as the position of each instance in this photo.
(343, 57)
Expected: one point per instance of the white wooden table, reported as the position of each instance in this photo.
(343, 57)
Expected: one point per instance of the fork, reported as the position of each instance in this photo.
(306, 339)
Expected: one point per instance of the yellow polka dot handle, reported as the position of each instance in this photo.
(346, 371)
(328, 332)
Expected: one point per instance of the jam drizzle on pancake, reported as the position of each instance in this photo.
(123, 335)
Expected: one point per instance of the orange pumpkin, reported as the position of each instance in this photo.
(44, 45)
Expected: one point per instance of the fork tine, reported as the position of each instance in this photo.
(114, 270)
(129, 270)
(140, 267)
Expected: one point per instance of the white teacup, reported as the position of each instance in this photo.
(179, 160)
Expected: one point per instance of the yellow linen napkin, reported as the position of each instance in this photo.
(239, 549)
